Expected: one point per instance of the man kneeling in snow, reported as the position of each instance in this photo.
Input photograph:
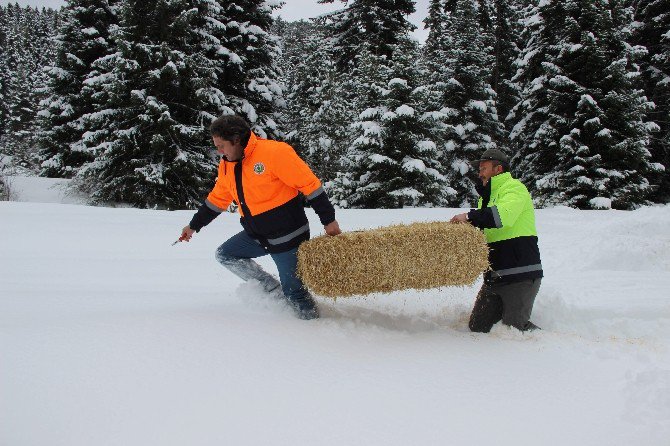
(505, 212)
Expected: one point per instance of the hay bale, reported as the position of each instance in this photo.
(392, 258)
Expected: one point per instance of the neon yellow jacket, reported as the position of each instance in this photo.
(506, 214)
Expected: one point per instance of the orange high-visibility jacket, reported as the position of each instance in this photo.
(270, 185)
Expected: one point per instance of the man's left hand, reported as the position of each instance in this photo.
(333, 228)
(460, 218)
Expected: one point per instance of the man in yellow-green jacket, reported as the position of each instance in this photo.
(506, 215)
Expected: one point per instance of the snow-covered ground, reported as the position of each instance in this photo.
(111, 336)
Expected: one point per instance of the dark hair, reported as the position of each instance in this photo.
(504, 165)
(231, 128)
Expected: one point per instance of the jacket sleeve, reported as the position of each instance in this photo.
(203, 217)
(504, 213)
(323, 207)
(217, 201)
(295, 173)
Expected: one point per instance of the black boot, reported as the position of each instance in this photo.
(530, 327)
(305, 307)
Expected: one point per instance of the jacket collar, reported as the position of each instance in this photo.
(248, 150)
(251, 145)
(499, 180)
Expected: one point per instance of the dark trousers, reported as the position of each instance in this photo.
(511, 302)
(236, 254)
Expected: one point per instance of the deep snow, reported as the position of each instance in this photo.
(110, 336)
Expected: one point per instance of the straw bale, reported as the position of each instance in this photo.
(392, 258)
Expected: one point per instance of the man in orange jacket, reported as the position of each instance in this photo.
(269, 183)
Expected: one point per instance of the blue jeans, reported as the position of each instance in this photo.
(236, 254)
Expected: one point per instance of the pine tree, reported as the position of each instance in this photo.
(471, 119)
(295, 42)
(409, 132)
(302, 63)
(27, 49)
(43, 49)
(20, 65)
(318, 110)
(393, 161)
(652, 30)
(436, 49)
(4, 73)
(433, 22)
(249, 73)
(506, 50)
(379, 24)
(326, 134)
(436, 65)
(500, 38)
(366, 86)
(178, 65)
(486, 16)
(149, 134)
(83, 38)
(579, 131)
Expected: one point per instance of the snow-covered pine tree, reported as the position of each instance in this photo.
(149, 133)
(507, 36)
(486, 15)
(326, 136)
(449, 6)
(393, 161)
(303, 60)
(434, 22)
(471, 123)
(83, 38)
(379, 24)
(366, 86)
(47, 24)
(500, 31)
(533, 110)
(249, 75)
(580, 130)
(295, 43)
(17, 88)
(651, 29)
(409, 132)
(28, 47)
(317, 112)
(4, 72)
(365, 36)
(436, 67)
(43, 47)
(436, 71)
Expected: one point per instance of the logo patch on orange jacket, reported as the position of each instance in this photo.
(259, 168)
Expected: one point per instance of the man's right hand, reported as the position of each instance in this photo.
(333, 228)
(460, 218)
(186, 233)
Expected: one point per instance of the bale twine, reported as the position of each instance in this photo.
(393, 258)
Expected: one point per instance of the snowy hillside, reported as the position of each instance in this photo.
(111, 336)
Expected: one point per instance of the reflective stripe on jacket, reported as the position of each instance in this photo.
(505, 212)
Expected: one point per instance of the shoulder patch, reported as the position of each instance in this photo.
(259, 168)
